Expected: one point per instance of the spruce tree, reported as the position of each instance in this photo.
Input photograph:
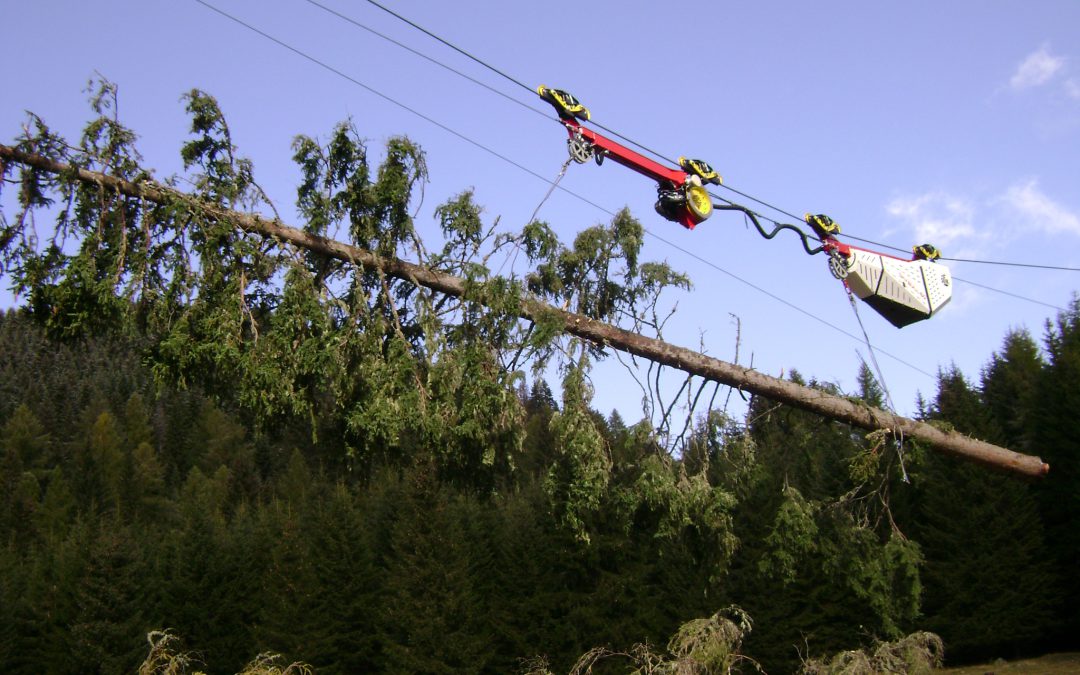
(347, 589)
(432, 620)
(1055, 440)
(989, 587)
(111, 598)
(147, 493)
(289, 587)
(50, 607)
(203, 595)
(12, 595)
(1010, 387)
(58, 507)
(820, 565)
(23, 447)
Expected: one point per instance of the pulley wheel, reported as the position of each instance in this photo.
(580, 149)
(838, 265)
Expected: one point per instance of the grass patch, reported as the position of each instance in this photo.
(1050, 664)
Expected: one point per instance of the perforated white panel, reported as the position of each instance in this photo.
(938, 283)
(917, 285)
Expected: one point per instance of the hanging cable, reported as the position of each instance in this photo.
(1012, 295)
(397, 103)
(870, 347)
(554, 184)
(1059, 268)
(905, 251)
(535, 174)
(495, 70)
(485, 64)
(451, 45)
(782, 301)
(578, 196)
(753, 214)
(434, 61)
(763, 203)
(898, 439)
(631, 141)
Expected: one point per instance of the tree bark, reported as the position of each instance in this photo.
(687, 360)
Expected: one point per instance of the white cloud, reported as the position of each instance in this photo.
(1034, 210)
(970, 228)
(1072, 89)
(1037, 69)
(936, 217)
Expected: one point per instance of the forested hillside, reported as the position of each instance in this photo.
(263, 449)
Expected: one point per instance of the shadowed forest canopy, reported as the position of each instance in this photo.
(266, 448)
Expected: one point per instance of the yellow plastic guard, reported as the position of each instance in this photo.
(823, 225)
(926, 252)
(564, 102)
(700, 169)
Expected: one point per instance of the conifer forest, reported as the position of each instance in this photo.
(217, 447)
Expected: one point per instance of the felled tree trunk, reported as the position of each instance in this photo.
(806, 398)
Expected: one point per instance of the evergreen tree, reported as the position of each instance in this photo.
(12, 595)
(206, 590)
(289, 584)
(23, 444)
(147, 493)
(50, 607)
(98, 467)
(25, 438)
(109, 463)
(538, 449)
(1055, 440)
(432, 621)
(136, 422)
(107, 633)
(54, 516)
(819, 564)
(220, 440)
(870, 390)
(1010, 387)
(347, 589)
(989, 588)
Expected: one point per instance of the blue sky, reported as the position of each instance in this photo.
(955, 123)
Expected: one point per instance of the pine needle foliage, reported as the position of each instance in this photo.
(269, 449)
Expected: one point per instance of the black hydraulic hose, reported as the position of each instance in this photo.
(776, 230)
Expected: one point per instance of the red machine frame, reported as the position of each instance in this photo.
(903, 291)
(673, 185)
